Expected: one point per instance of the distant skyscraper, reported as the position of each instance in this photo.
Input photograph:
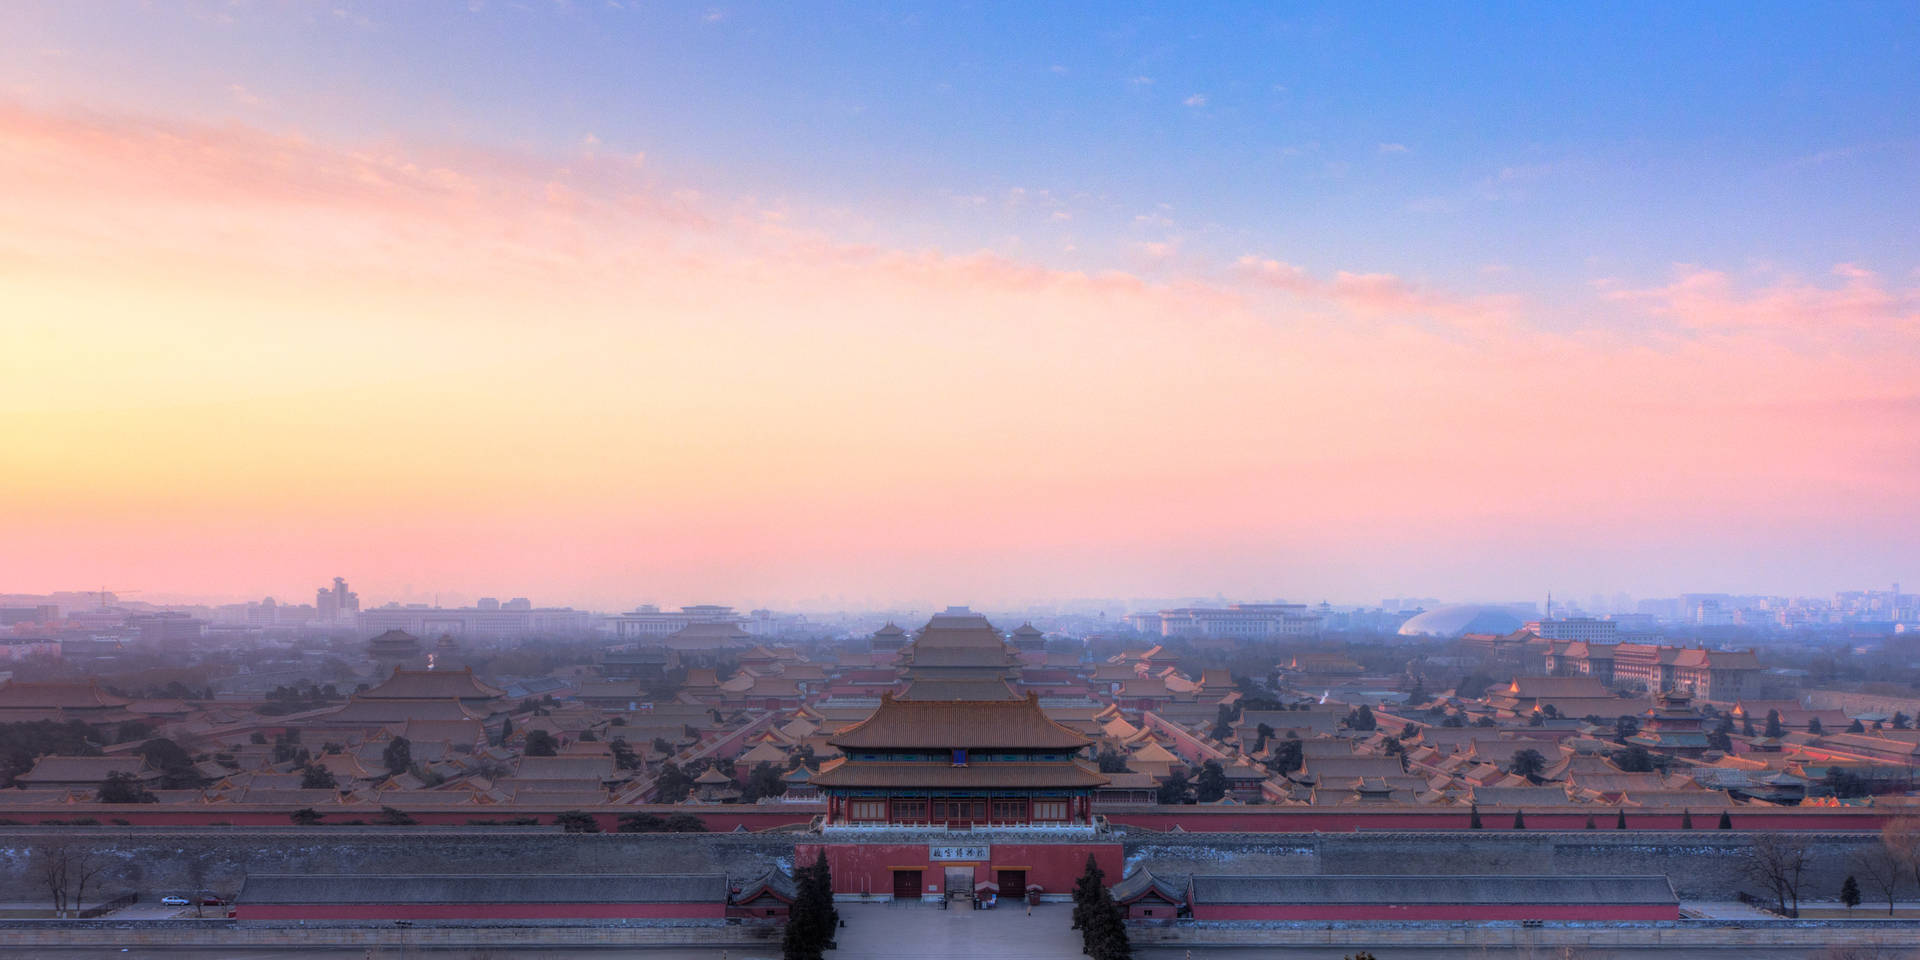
(337, 603)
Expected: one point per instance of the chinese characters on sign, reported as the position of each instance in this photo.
(943, 852)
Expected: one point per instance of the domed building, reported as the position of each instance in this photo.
(1457, 619)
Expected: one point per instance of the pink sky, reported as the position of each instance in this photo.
(239, 361)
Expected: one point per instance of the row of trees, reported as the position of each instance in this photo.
(1779, 863)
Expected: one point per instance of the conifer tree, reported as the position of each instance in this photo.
(1686, 819)
(1621, 823)
(1726, 820)
(1519, 819)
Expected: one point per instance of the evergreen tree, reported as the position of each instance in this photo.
(1473, 818)
(811, 921)
(823, 897)
(1850, 893)
(1686, 819)
(305, 817)
(1726, 820)
(540, 743)
(398, 756)
(1773, 724)
(1813, 727)
(1519, 819)
(317, 777)
(1212, 784)
(1621, 823)
(1086, 893)
(1590, 825)
(1223, 724)
(1175, 789)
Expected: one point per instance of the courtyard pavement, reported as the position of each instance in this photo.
(923, 931)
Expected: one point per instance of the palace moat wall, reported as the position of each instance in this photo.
(1703, 864)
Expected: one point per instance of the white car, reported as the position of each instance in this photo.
(175, 901)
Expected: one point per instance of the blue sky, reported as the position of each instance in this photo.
(1558, 141)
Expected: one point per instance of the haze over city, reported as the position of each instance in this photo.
(910, 304)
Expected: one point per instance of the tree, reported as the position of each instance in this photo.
(1485, 721)
(1519, 819)
(506, 730)
(672, 784)
(1746, 727)
(1621, 822)
(1814, 727)
(1473, 817)
(52, 867)
(1726, 820)
(1175, 788)
(317, 777)
(1777, 861)
(685, 823)
(1091, 884)
(1111, 761)
(1850, 893)
(1262, 734)
(121, 787)
(1773, 725)
(1634, 759)
(1223, 724)
(1686, 819)
(640, 823)
(1623, 727)
(1361, 718)
(1529, 764)
(576, 821)
(394, 817)
(1102, 925)
(1901, 836)
(540, 743)
(812, 919)
(305, 817)
(763, 781)
(1453, 720)
(1288, 756)
(398, 756)
(1856, 726)
(1901, 721)
(1212, 784)
(1884, 872)
(623, 756)
(1590, 823)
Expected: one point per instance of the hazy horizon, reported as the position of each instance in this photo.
(600, 304)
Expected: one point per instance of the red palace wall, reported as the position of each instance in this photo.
(867, 868)
(480, 911)
(1247, 819)
(1437, 911)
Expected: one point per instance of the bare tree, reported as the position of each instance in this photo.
(1882, 870)
(1901, 837)
(52, 866)
(1777, 861)
(86, 866)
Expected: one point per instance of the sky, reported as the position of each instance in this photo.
(822, 304)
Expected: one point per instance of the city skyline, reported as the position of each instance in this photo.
(928, 304)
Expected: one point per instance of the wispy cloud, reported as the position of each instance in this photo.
(1197, 100)
(1393, 148)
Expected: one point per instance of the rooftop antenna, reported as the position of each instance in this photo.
(1549, 604)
